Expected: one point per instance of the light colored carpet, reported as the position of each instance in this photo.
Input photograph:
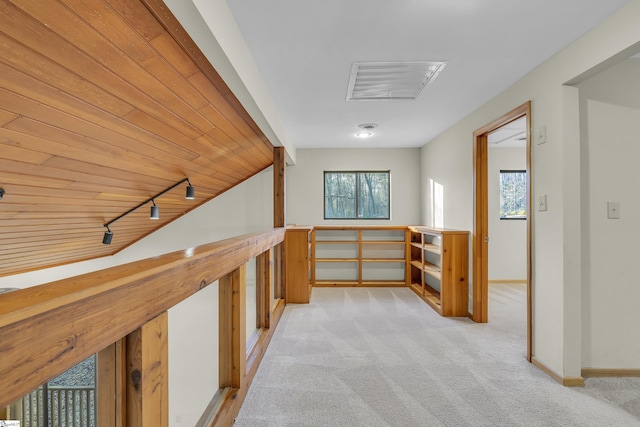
(382, 357)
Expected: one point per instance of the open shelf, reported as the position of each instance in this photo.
(367, 256)
(440, 258)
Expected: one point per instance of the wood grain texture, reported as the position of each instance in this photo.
(148, 374)
(279, 166)
(264, 290)
(297, 264)
(453, 270)
(480, 311)
(108, 103)
(109, 385)
(64, 322)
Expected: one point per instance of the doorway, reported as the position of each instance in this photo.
(480, 256)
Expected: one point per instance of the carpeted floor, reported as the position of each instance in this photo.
(382, 357)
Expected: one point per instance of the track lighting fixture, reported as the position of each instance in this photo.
(191, 191)
(108, 235)
(154, 211)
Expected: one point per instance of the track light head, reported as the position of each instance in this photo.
(108, 236)
(191, 191)
(155, 211)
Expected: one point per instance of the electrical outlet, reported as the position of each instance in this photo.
(613, 210)
(541, 135)
(542, 203)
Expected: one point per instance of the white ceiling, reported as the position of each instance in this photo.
(304, 51)
(511, 135)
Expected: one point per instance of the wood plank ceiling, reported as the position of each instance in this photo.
(101, 108)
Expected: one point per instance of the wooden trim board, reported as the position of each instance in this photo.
(565, 381)
(606, 372)
(480, 246)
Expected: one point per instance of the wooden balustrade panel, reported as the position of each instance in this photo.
(47, 329)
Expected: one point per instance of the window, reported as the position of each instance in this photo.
(357, 195)
(513, 194)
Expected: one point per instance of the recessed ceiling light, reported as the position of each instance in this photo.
(366, 130)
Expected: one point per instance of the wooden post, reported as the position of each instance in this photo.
(233, 341)
(148, 374)
(111, 385)
(279, 217)
(279, 165)
(263, 289)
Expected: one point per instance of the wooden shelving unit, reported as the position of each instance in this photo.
(297, 249)
(439, 264)
(347, 256)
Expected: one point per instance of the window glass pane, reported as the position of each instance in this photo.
(357, 195)
(251, 303)
(373, 195)
(513, 194)
(339, 195)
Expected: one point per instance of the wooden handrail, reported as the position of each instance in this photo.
(47, 329)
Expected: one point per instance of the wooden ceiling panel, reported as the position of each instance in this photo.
(103, 105)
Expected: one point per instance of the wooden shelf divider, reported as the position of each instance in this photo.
(439, 264)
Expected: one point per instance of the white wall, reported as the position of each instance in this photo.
(305, 183)
(507, 238)
(557, 292)
(610, 112)
(193, 375)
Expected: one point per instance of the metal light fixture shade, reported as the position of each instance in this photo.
(191, 192)
(108, 236)
(155, 211)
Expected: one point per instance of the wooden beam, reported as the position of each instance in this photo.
(279, 208)
(148, 374)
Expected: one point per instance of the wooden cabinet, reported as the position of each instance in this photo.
(359, 256)
(297, 251)
(439, 269)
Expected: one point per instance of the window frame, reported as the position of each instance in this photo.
(512, 218)
(356, 193)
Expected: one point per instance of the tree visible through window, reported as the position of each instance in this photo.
(513, 194)
(356, 195)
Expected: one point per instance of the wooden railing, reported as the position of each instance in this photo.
(121, 314)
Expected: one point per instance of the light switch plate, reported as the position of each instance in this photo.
(613, 210)
(542, 202)
(541, 135)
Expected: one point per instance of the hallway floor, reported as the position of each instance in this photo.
(382, 357)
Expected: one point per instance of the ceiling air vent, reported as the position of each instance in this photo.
(390, 80)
